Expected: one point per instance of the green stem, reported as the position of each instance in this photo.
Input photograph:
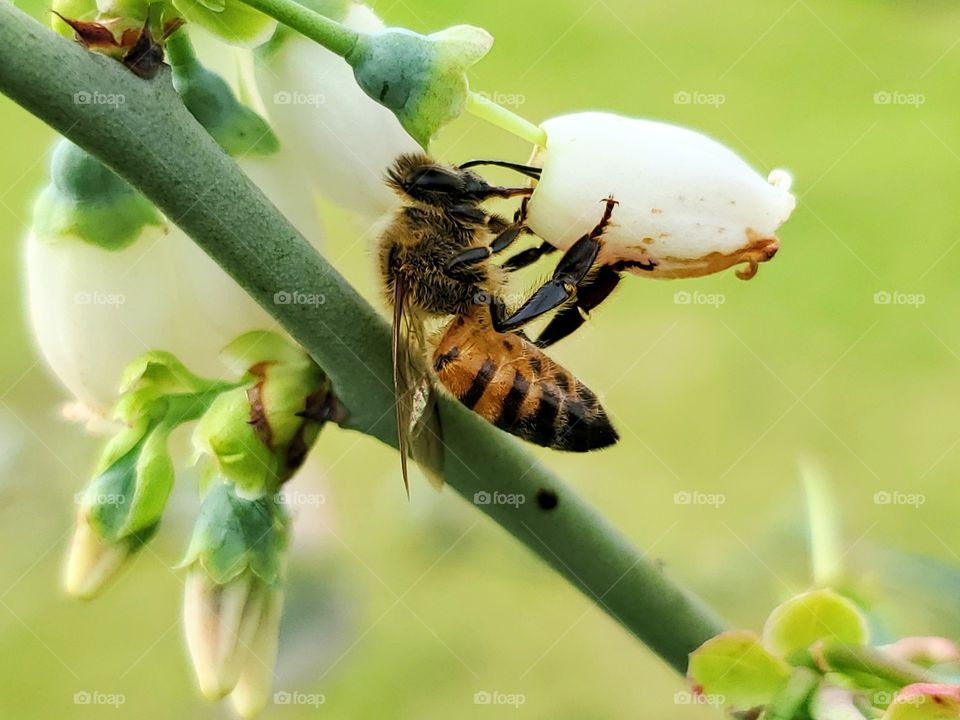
(863, 659)
(332, 35)
(179, 49)
(179, 167)
(486, 109)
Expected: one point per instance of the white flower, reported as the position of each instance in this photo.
(345, 139)
(686, 202)
(96, 305)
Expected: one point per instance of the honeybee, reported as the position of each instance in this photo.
(448, 312)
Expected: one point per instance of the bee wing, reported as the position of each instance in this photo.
(418, 424)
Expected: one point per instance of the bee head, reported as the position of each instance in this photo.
(417, 176)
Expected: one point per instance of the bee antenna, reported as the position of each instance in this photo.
(529, 171)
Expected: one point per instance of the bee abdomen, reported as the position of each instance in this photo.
(522, 391)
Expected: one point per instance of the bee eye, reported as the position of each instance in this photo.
(435, 179)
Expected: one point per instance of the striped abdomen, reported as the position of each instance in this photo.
(514, 385)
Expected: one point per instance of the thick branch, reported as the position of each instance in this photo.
(151, 140)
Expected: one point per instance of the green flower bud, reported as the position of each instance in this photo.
(257, 434)
(120, 509)
(421, 78)
(235, 127)
(232, 596)
(88, 201)
(231, 20)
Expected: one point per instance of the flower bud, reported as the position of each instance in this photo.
(686, 203)
(257, 434)
(120, 509)
(252, 691)
(232, 595)
(421, 78)
(348, 139)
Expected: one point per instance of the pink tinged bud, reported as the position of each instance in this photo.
(686, 202)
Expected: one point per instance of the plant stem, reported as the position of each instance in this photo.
(334, 36)
(152, 141)
(863, 659)
(180, 50)
(495, 114)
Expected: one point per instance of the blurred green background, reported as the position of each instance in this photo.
(406, 610)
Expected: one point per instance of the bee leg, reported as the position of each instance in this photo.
(466, 259)
(528, 257)
(590, 293)
(571, 270)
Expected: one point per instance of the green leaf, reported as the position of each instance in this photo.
(925, 701)
(735, 666)
(817, 615)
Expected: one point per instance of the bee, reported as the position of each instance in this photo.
(448, 313)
